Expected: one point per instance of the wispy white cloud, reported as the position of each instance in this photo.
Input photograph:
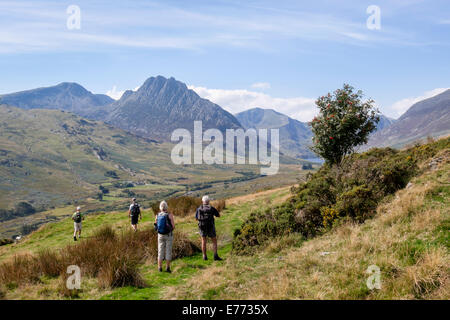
(235, 101)
(400, 107)
(41, 25)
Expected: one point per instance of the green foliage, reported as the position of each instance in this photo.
(5, 241)
(111, 174)
(329, 215)
(358, 203)
(349, 191)
(21, 209)
(262, 225)
(24, 209)
(344, 122)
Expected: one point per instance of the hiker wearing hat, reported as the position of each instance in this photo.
(135, 214)
(77, 217)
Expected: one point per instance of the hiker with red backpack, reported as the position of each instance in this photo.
(205, 216)
(164, 225)
(135, 214)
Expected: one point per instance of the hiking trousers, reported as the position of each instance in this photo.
(165, 242)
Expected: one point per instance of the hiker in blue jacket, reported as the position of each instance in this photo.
(164, 224)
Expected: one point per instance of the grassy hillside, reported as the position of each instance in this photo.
(55, 236)
(54, 159)
(407, 237)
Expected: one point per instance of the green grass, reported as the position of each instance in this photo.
(59, 234)
(158, 282)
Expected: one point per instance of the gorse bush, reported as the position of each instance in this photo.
(114, 259)
(351, 191)
(262, 225)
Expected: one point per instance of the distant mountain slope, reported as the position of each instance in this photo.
(64, 96)
(49, 157)
(384, 122)
(430, 117)
(295, 136)
(162, 105)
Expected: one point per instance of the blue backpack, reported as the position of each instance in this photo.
(163, 224)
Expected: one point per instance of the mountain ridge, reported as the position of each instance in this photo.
(67, 96)
(295, 136)
(428, 117)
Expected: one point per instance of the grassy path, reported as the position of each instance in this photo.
(187, 268)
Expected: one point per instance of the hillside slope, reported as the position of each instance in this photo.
(295, 136)
(430, 117)
(408, 240)
(66, 96)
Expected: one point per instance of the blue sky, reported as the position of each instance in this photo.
(239, 54)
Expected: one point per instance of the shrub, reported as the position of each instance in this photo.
(24, 209)
(111, 174)
(5, 241)
(329, 215)
(357, 203)
(350, 191)
(263, 225)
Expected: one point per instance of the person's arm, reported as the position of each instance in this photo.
(196, 215)
(215, 212)
(129, 212)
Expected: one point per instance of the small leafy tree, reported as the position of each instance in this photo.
(344, 122)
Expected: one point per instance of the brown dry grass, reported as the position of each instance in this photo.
(114, 259)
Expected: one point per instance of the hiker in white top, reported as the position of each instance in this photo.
(77, 217)
(164, 224)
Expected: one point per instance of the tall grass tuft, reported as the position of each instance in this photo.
(114, 259)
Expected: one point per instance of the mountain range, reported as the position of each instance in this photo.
(162, 105)
(66, 96)
(295, 136)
